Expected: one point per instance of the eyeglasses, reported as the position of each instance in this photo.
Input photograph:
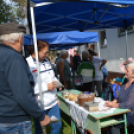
(44, 52)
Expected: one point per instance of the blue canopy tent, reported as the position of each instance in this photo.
(78, 15)
(59, 40)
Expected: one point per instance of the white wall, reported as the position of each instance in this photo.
(82, 48)
(116, 49)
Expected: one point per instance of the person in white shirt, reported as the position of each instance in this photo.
(98, 63)
(48, 85)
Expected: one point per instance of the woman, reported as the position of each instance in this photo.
(63, 69)
(125, 100)
(87, 70)
(98, 63)
(48, 84)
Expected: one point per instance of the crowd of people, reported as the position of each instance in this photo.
(19, 90)
(90, 67)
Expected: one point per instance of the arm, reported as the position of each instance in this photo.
(115, 101)
(71, 62)
(18, 78)
(61, 69)
(129, 103)
(93, 72)
(79, 69)
(114, 104)
(104, 61)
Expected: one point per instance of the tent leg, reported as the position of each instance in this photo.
(23, 51)
(98, 49)
(36, 53)
(126, 46)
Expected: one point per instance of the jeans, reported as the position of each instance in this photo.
(16, 128)
(55, 127)
(74, 73)
(104, 78)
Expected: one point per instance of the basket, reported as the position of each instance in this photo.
(85, 98)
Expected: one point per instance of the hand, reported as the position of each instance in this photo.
(51, 86)
(60, 88)
(46, 121)
(65, 85)
(100, 67)
(108, 104)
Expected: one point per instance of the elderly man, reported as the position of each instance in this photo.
(17, 101)
(63, 68)
(125, 99)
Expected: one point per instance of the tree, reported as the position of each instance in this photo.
(13, 11)
(5, 13)
(20, 11)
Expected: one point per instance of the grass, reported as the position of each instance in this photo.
(66, 125)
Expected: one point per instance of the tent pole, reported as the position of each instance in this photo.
(126, 46)
(98, 49)
(23, 51)
(31, 39)
(36, 53)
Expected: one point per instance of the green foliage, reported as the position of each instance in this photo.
(5, 14)
(13, 13)
(21, 11)
(21, 2)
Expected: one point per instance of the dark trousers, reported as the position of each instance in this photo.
(86, 87)
(98, 85)
(116, 128)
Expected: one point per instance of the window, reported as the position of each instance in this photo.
(103, 39)
(121, 31)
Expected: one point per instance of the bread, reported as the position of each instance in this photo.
(72, 97)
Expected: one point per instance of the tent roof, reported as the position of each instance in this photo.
(80, 16)
(104, 1)
(73, 38)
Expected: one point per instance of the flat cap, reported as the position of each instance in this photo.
(12, 28)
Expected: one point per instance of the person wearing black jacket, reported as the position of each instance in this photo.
(76, 62)
(17, 99)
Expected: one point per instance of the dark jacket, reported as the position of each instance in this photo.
(17, 100)
(76, 61)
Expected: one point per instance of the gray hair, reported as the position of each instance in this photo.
(10, 38)
(63, 52)
(85, 54)
(131, 65)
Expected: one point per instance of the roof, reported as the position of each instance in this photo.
(80, 16)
